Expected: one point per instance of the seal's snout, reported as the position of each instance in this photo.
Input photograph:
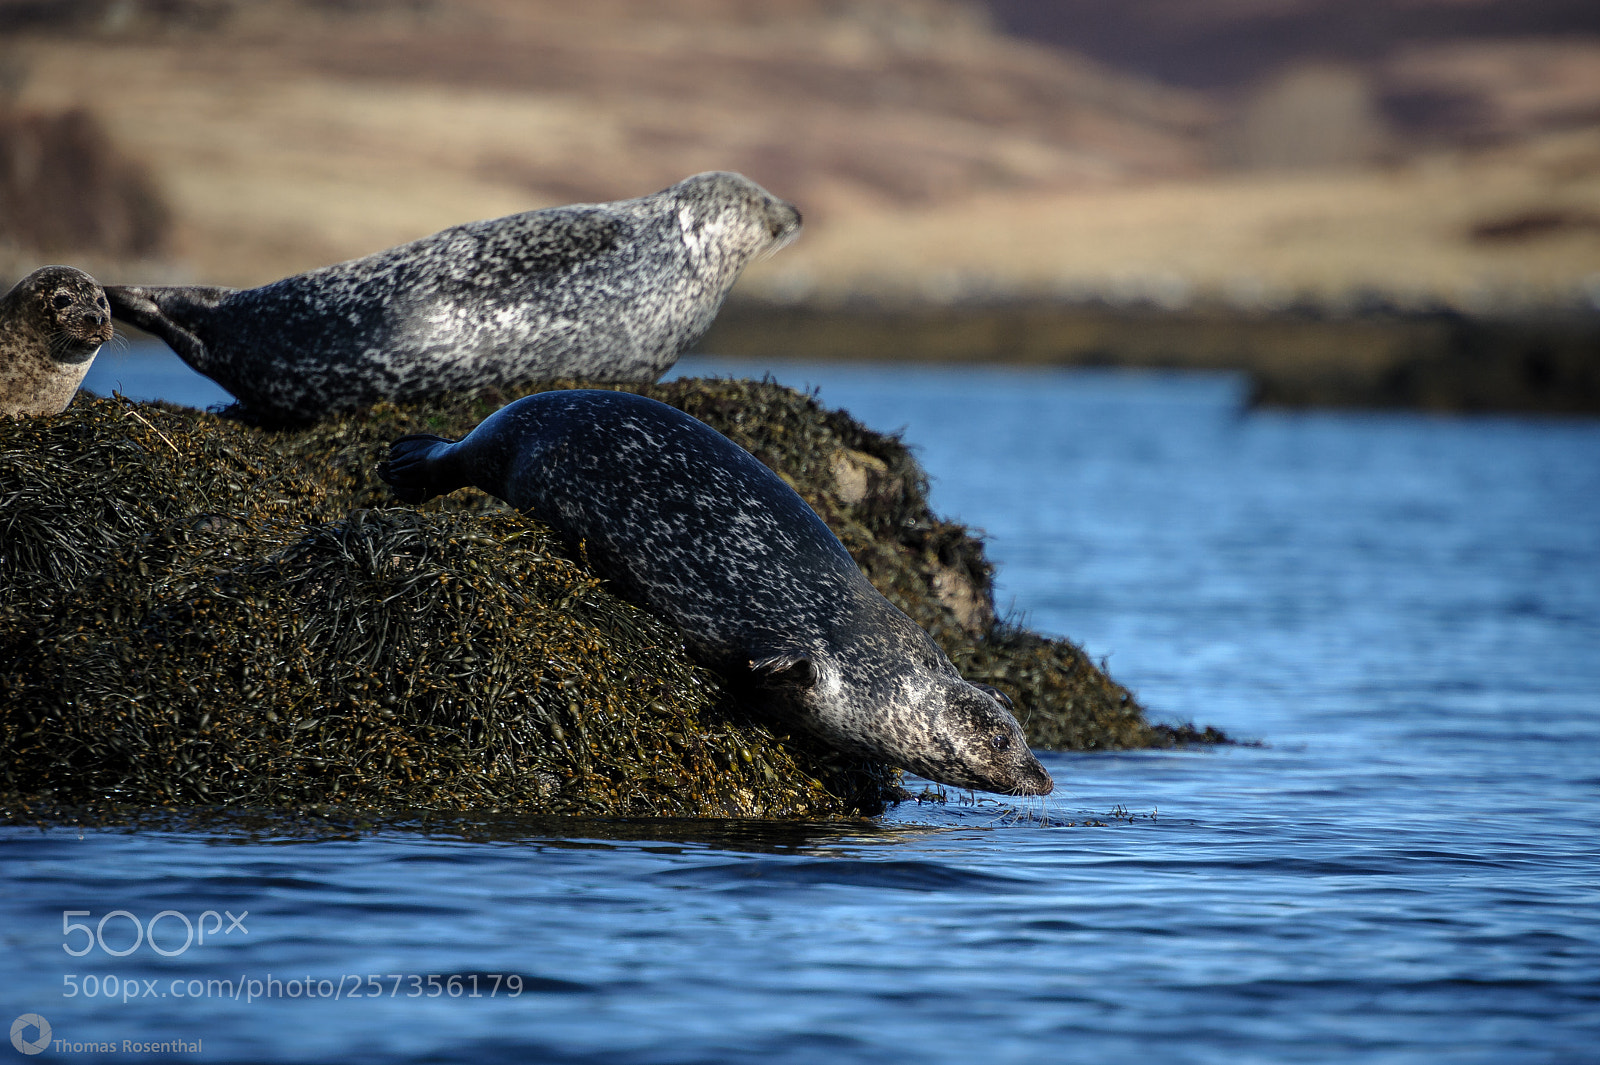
(93, 324)
(783, 225)
(1035, 781)
(87, 327)
(81, 311)
(1024, 774)
(785, 221)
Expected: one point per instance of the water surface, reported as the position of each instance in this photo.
(1405, 610)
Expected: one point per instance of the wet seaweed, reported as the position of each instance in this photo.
(196, 611)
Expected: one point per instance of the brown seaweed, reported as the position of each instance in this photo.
(194, 611)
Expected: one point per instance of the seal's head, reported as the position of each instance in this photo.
(67, 310)
(914, 715)
(728, 220)
(974, 742)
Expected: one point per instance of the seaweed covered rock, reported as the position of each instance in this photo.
(870, 490)
(82, 488)
(193, 610)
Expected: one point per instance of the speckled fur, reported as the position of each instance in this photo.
(605, 292)
(692, 526)
(52, 323)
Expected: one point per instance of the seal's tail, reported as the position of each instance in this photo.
(416, 469)
(170, 312)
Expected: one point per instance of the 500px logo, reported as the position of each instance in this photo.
(169, 920)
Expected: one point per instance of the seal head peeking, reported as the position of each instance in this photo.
(52, 323)
(605, 292)
(691, 526)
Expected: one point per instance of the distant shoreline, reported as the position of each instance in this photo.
(1442, 360)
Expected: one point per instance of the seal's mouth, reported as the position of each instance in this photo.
(77, 341)
(1008, 780)
(1040, 785)
(1027, 777)
(90, 328)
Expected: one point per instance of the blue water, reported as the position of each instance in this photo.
(1404, 609)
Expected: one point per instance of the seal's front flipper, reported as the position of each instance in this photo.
(996, 694)
(419, 467)
(785, 671)
(170, 312)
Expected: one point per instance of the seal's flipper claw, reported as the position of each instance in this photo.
(788, 670)
(999, 696)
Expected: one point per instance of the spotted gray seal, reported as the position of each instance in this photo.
(52, 323)
(690, 525)
(606, 292)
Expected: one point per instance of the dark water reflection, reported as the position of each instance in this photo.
(1406, 610)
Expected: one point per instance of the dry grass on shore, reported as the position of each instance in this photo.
(1480, 232)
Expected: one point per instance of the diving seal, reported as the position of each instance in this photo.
(690, 525)
(51, 324)
(605, 292)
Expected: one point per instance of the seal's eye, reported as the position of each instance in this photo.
(103, 303)
(1000, 740)
(62, 300)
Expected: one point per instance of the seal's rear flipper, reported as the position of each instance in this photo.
(418, 468)
(169, 312)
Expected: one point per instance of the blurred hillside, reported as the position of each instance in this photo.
(1425, 73)
(1438, 152)
(291, 132)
